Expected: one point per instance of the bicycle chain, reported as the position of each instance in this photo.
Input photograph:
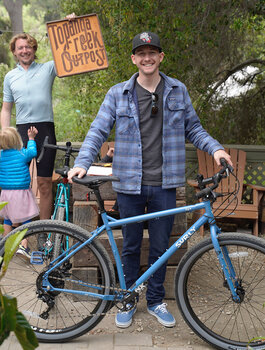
(95, 285)
(90, 284)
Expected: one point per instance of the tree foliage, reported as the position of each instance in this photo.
(204, 41)
(14, 9)
(11, 319)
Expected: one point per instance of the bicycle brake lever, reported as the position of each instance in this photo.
(199, 179)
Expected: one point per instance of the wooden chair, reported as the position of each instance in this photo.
(105, 147)
(207, 167)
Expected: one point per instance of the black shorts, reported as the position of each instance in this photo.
(46, 165)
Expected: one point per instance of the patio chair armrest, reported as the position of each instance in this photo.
(192, 183)
(258, 192)
(257, 188)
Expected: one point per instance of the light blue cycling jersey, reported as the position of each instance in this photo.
(31, 91)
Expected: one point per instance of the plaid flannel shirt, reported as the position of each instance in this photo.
(120, 108)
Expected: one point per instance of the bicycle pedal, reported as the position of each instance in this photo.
(36, 258)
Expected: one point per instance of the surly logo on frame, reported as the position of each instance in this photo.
(185, 237)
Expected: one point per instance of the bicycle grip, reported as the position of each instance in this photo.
(226, 165)
(45, 142)
(203, 193)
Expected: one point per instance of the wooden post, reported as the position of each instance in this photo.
(263, 215)
(85, 214)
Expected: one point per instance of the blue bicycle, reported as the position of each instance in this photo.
(219, 283)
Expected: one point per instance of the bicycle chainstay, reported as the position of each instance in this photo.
(115, 289)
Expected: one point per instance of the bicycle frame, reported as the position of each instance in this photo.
(109, 223)
(63, 189)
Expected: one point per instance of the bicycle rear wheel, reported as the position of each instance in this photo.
(70, 315)
(204, 298)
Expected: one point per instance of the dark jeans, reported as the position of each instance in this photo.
(153, 198)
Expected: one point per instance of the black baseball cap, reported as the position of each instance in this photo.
(146, 38)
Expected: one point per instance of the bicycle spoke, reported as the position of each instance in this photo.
(59, 314)
(207, 297)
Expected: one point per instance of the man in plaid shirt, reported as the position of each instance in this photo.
(153, 116)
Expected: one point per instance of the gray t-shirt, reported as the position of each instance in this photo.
(151, 134)
(31, 91)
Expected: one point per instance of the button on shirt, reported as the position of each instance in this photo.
(31, 91)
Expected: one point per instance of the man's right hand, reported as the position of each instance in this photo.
(79, 172)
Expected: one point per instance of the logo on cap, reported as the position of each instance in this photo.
(145, 37)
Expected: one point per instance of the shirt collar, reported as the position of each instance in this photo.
(170, 82)
(33, 64)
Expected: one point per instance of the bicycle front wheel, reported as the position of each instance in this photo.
(205, 300)
(58, 316)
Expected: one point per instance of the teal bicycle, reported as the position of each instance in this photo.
(219, 283)
(54, 243)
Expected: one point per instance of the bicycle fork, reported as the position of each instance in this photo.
(231, 281)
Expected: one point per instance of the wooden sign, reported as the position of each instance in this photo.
(77, 45)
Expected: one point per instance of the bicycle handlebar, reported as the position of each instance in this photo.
(215, 179)
(68, 149)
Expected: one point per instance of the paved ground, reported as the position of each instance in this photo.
(145, 333)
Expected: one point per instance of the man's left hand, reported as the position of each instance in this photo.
(222, 154)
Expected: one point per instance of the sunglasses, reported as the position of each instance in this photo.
(154, 108)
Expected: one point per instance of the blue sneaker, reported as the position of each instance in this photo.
(23, 252)
(123, 319)
(162, 314)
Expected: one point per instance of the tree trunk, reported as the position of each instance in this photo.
(14, 9)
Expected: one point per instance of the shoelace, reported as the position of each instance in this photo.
(162, 308)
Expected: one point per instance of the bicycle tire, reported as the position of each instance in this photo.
(205, 301)
(72, 315)
(57, 238)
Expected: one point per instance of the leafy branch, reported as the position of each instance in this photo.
(11, 320)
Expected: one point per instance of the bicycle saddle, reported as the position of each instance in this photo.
(94, 180)
(62, 171)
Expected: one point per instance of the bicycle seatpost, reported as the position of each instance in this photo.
(99, 199)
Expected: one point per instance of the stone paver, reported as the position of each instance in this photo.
(133, 339)
(144, 334)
